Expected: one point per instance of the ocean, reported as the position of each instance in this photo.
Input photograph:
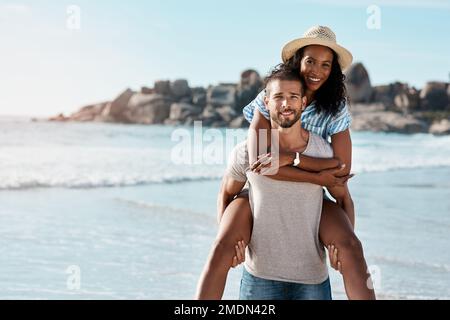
(110, 211)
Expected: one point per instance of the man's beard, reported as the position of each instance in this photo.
(283, 122)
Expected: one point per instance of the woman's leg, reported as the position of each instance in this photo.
(336, 229)
(236, 225)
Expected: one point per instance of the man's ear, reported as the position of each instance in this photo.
(266, 102)
(304, 101)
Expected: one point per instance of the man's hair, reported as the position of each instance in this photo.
(284, 72)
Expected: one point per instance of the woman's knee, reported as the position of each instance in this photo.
(350, 245)
(224, 247)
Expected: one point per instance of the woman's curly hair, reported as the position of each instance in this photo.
(332, 93)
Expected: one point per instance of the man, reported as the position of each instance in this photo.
(284, 259)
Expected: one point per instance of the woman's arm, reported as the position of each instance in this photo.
(327, 178)
(258, 124)
(317, 164)
(341, 143)
(287, 159)
(342, 149)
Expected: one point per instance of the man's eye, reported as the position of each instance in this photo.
(326, 65)
(294, 97)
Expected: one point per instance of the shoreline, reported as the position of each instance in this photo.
(184, 232)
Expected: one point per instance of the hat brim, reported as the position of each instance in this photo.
(345, 58)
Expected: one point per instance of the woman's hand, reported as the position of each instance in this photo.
(240, 254)
(330, 178)
(268, 163)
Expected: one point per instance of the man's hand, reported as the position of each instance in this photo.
(240, 254)
(329, 178)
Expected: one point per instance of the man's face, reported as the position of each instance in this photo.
(285, 102)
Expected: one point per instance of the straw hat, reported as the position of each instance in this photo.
(318, 35)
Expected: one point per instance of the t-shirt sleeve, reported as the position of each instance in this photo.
(238, 163)
(341, 121)
(256, 104)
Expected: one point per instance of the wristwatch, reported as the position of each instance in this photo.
(297, 159)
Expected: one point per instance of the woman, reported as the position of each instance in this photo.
(320, 61)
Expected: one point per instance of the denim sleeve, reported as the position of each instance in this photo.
(340, 122)
(257, 103)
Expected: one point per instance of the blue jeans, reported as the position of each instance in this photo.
(254, 288)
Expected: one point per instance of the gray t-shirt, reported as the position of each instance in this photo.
(285, 242)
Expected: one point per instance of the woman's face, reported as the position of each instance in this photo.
(315, 66)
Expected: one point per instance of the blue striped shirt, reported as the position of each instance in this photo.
(323, 124)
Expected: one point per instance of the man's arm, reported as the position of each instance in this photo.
(229, 189)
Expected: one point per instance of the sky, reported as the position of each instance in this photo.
(57, 56)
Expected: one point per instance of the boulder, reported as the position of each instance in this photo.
(210, 112)
(180, 111)
(386, 95)
(163, 88)
(388, 121)
(382, 94)
(90, 113)
(148, 108)
(434, 96)
(227, 113)
(407, 101)
(117, 109)
(440, 127)
(180, 88)
(59, 117)
(239, 122)
(199, 97)
(147, 90)
(249, 87)
(222, 95)
(358, 84)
